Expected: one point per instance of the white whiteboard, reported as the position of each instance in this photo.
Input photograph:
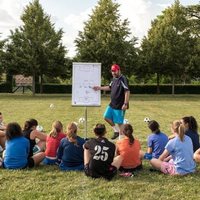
(84, 77)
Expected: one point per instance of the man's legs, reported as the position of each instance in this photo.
(115, 118)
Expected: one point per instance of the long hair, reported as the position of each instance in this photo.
(154, 126)
(178, 128)
(192, 123)
(29, 124)
(99, 130)
(127, 130)
(13, 130)
(57, 127)
(72, 132)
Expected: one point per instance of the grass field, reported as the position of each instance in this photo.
(47, 182)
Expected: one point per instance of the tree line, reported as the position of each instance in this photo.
(169, 53)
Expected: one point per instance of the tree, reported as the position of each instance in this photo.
(193, 15)
(35, 48)
(168, 45)
(2, 42)
(105, 39)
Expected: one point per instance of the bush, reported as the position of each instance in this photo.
(5, 87)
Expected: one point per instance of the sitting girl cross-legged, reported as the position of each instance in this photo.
(129, 148)
(70, 151)
(16, 148)
(53, 142)
(181, 150)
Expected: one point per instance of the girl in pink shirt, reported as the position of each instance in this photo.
(52, 143)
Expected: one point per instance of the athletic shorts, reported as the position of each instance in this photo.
(138, 168)
(168, 168)
(48, 161)
(109, 174)
(73, 168)
(117, 116)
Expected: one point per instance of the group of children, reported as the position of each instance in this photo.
(99, 157)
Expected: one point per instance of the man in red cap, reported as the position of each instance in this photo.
(120, 92)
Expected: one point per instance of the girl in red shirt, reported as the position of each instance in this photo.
(52, 143)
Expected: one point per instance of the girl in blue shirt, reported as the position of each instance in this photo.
(16, 148)
(70, 151)
(181, 150)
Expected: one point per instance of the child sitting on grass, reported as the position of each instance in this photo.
(99, 154)
(70, 151)
(53, 142)
(32, 135)
(16, 149)
(129, 148)
(156, 141)
(181, 150)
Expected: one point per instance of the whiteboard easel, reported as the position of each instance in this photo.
(84, 77)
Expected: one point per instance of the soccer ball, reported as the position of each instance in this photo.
(39, 128)
(81, 120)
(51, 106)
(146, 119)
(126, 121)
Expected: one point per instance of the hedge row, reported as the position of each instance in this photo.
(5, 88)
(135, 89)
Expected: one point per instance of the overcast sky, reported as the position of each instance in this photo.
(70, 14)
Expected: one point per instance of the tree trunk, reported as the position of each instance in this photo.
(41, 83)
(158, 83)
(33, 85)
(173, 84)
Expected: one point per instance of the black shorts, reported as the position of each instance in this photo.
(30, 163)
(122, 169)
(108, 174)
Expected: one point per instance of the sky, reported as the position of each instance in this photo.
(70, 15)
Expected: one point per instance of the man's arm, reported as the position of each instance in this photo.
(105, 88)
(126, 100)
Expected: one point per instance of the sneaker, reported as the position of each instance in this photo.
(147, 156)
(36, 149)
(115, 135)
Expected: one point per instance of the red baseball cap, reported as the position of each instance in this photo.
(115, 68)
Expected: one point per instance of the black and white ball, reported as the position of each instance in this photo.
(81, 120)
(146, 119)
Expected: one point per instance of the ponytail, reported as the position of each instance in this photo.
(181, 132)
(128, 131)
(72, 133)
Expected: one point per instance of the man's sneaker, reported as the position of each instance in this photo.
(115, 135)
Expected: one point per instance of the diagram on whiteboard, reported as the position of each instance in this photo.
(85, 77)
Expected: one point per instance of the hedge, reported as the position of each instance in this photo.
(135, 89)
(5, 87)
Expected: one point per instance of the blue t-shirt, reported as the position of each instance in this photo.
(194, 137)
(71, 154)
(182, 154)
(16, 153)
(157, 142)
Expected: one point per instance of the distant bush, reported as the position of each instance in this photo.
(5, 87)
(135, 89)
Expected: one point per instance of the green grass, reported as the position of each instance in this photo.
(47, 182)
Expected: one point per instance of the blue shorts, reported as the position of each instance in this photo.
(73, 168)
(117, 116)
(48, 161)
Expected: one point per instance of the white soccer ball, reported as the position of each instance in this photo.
(51, 106)
(81, 120)
(146, 119)
(126, 121)
(39, 128)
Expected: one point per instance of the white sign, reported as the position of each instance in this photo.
(85, 77)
